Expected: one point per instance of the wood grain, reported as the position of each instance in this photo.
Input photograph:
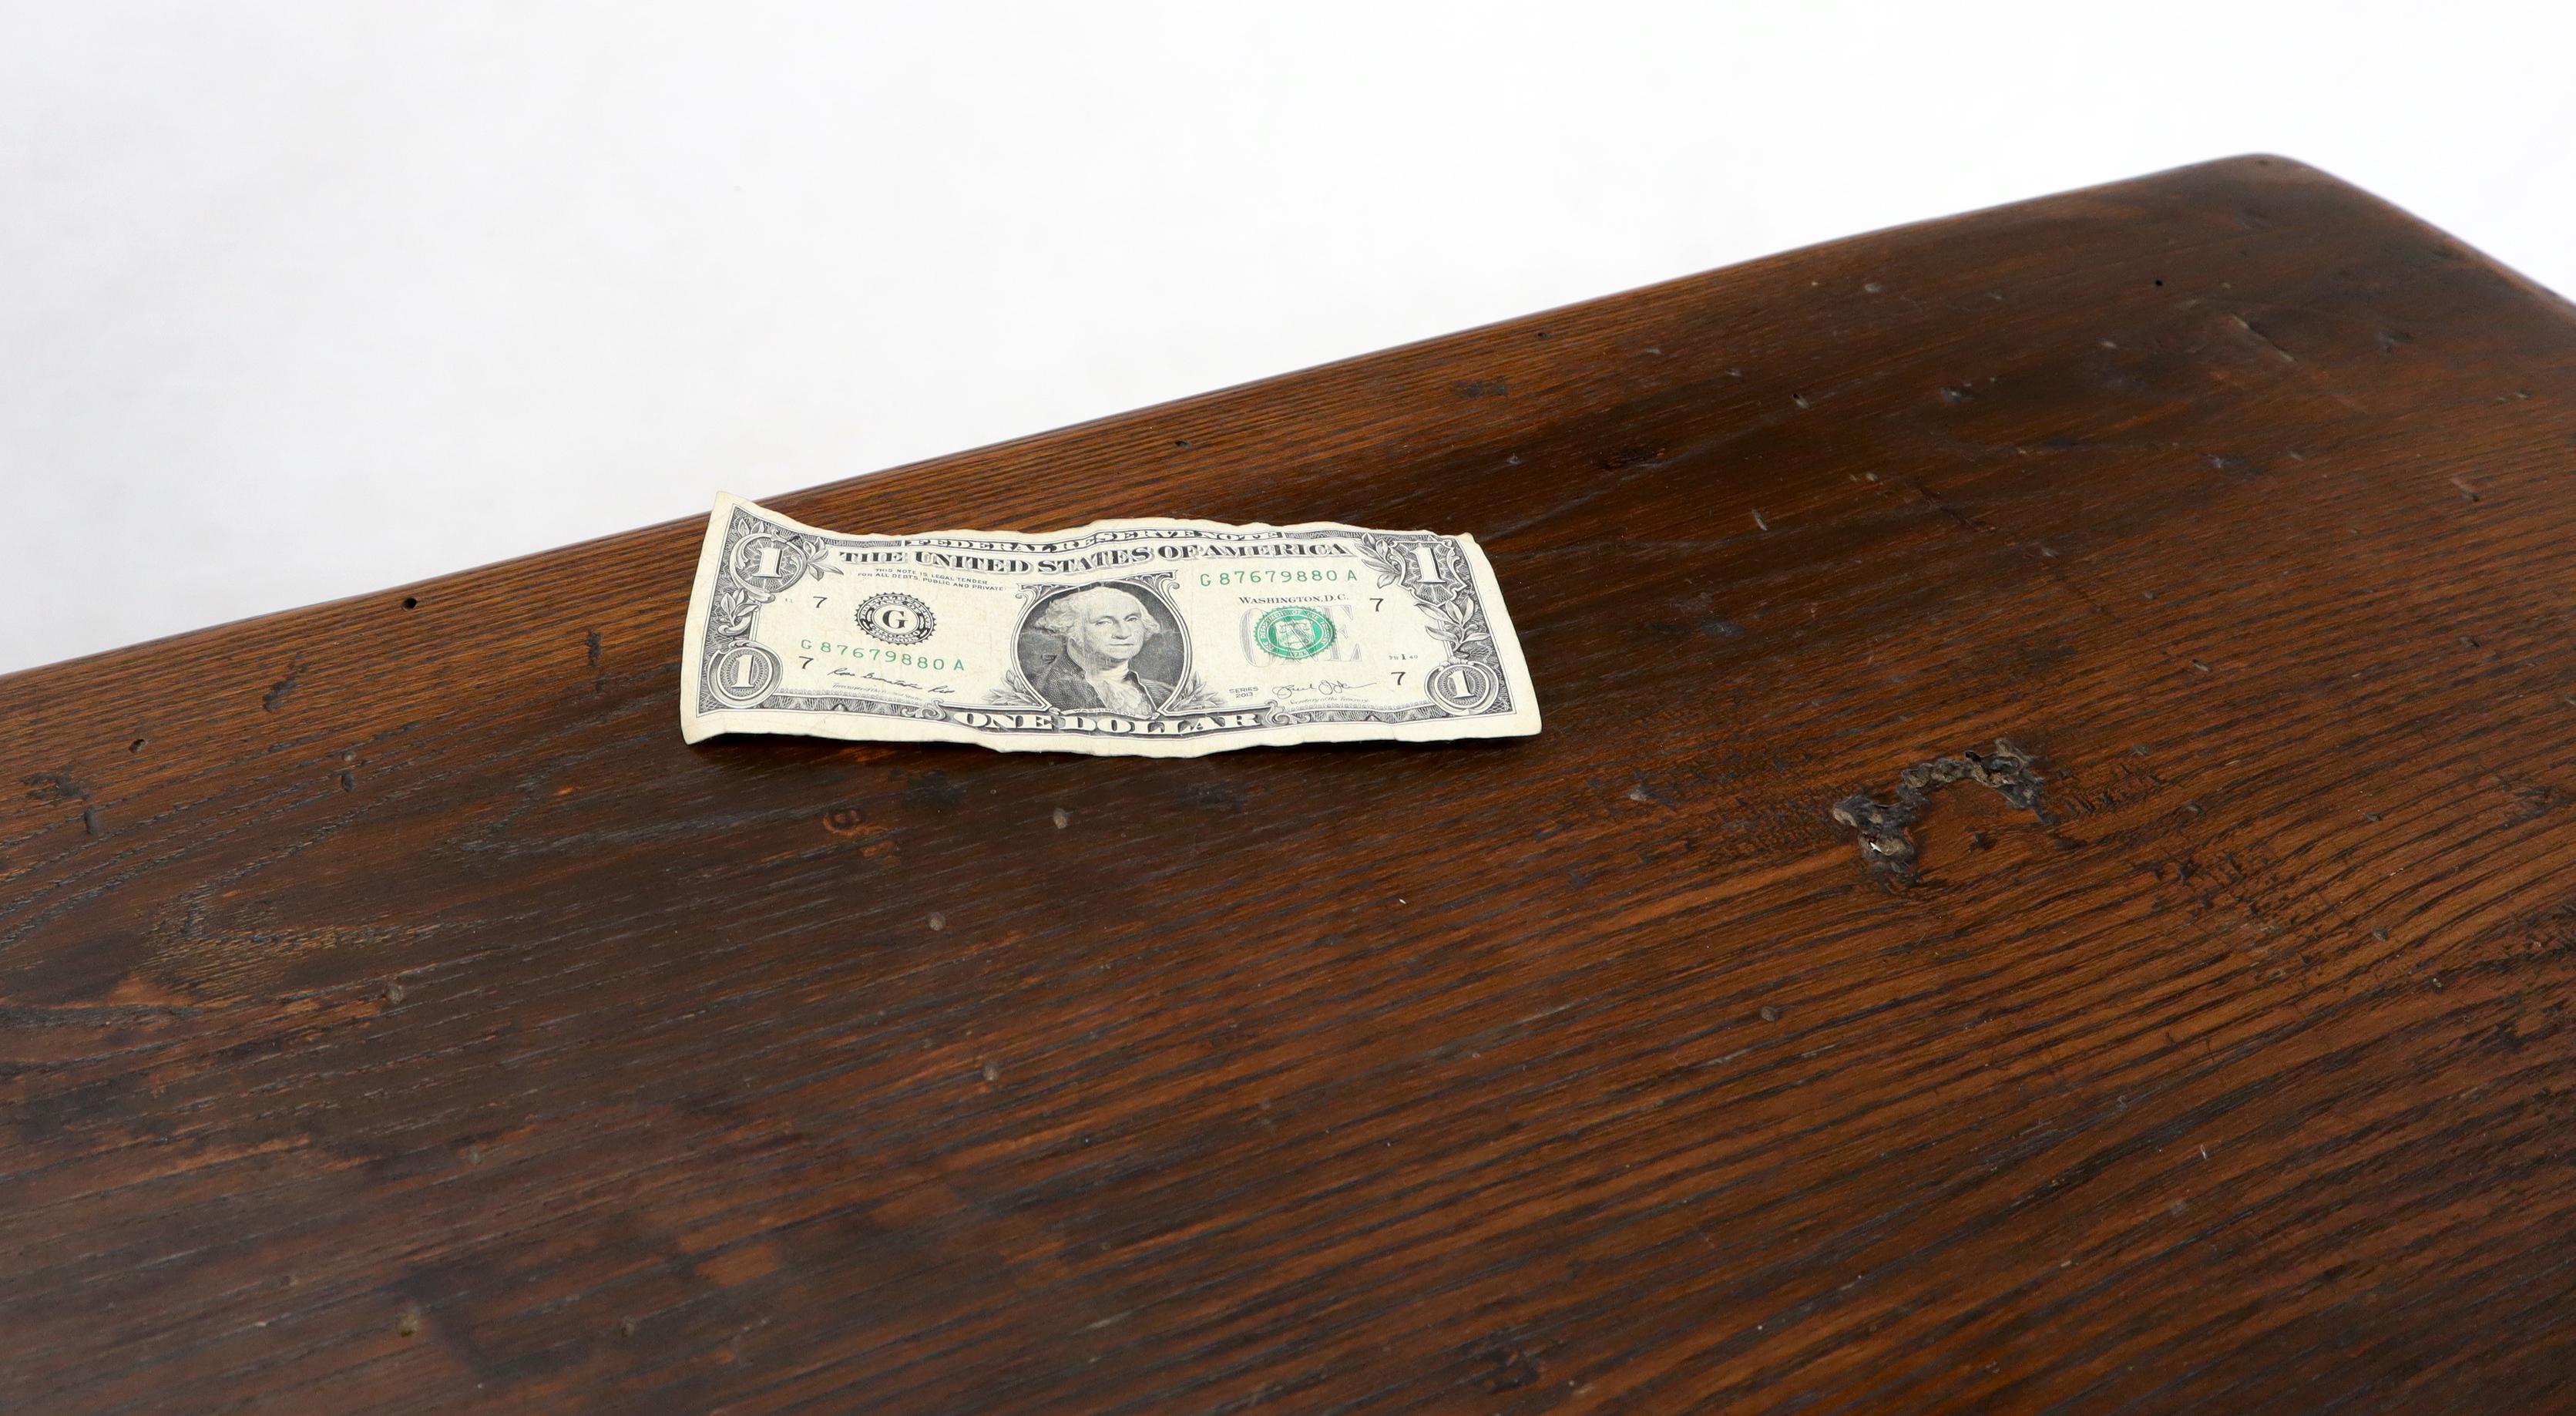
(396, 1017)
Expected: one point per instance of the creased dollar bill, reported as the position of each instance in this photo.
(1149, 637)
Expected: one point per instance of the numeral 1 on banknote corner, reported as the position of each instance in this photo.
(1463, 686)
(745, 672)
(1426, 563)
(768, 563)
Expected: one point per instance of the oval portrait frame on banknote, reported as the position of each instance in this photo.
(1161, 663)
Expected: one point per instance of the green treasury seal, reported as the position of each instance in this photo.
(1294, 632)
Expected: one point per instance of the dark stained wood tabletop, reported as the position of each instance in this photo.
(395, 1016)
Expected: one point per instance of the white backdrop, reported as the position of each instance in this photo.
(303, 300)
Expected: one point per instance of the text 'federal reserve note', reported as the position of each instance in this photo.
(1149, 637)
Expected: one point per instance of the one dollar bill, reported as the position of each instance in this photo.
(1149, 637)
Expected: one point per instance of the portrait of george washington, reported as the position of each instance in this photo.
(1111, 647)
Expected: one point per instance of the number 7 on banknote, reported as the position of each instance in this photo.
(1149, 637)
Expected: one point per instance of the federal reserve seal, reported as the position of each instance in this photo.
(1294, 632)
(897, 618)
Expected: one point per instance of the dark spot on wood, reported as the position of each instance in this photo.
(277, 692)
(2533, 801)
(408, 1164)
(55, 786)
(91, 822)
(2037, 658)
(1631, 456)
(934, 792)
(411, 602)
(1210, 796)
(1508, 1360)
(135, 746)
(1480, 388)
(1884, 838)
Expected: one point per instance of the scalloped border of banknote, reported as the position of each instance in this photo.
(1459, 597)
